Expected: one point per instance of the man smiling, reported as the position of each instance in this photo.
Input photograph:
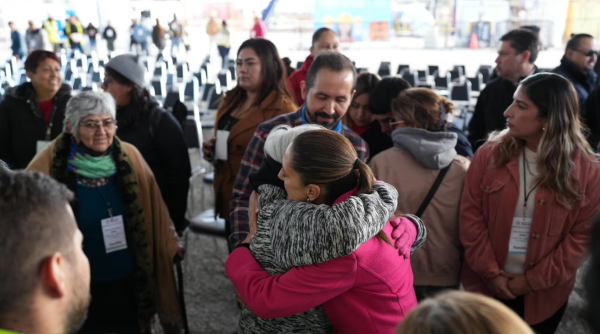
(328, 92)
(32, 114)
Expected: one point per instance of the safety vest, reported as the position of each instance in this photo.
(79, 30)
(52, 29)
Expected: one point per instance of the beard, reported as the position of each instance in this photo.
(313, 118)
(77, 312)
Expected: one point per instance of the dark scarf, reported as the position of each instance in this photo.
(135, 226)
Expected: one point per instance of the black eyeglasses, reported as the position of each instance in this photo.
(589, 53)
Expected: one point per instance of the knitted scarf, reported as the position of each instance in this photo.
(135, 226)
(82, 163)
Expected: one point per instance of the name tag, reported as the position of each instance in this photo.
(221, 145)
(519, 235)
(40, 145)
(113, 231)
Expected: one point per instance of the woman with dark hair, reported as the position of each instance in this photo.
(152, 130)
(259, 96)
(425, 149)
(529, 197)
(359, 118)
(288, 66)
(326, 239)
(91, 31)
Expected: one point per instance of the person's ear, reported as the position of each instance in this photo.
(53, 277)
(303, 90)
(313, 192)
(312, 50)
(525, 55)
(30, 75)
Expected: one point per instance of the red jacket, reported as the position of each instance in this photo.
(294, 80)
(558, 240)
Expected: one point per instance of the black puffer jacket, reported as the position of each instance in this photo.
(159, 137)
(22, 123)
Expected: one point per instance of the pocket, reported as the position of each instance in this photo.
(491, 188)
(560, 219)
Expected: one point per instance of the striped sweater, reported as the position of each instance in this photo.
(292, 234)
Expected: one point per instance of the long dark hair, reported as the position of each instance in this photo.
(331, 166)
(365, 83)
(273, 73)
(138, 96)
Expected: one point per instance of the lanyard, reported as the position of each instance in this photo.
(49, 129)
(527, 194)
(108, 206)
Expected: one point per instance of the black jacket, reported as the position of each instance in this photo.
(111, 37)
(22, 123)
(160, 140)
(584, 83)
(376, 140)
(493, 101)
(591, 115)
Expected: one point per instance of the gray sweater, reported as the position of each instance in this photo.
(292, 234)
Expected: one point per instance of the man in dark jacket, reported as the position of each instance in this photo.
(578, 63)
(380, 105)
(32, 114)
(153, 131)
(515, 62)
(110, 35)
(17, 47)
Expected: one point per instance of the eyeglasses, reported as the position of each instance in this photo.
(589, 53)
(107, 124)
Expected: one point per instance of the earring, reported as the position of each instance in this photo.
(308, 199)
(543, 129)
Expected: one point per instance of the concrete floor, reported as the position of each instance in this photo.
(210, 298)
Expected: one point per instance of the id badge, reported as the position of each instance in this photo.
(519, 235)
(113, 231)
(221, 145)
(40, 145)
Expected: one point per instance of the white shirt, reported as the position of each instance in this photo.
(515, 262)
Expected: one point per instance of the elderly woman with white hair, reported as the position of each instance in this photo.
(129, 238)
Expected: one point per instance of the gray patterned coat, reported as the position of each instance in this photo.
(292, 234)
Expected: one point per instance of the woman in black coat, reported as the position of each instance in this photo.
(153, 131)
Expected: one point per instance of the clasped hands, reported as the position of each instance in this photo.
(509, 286)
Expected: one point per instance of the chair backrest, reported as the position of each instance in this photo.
(207, 88)
(442, 81)
(461, 92)
(159, 87)
(22, 78)
(207, 69)
(461, 68)
(201, 76)
(411, 78)
(98, 76)
(402, 68)
(170, 100)
(190, 92)
(385, 70)
(486, 73)
(232, 72)
(422, 75)
(171, 80)
(455, 74)
(299, 64)
(68, 75)
(432, 69)
(77, 84)
(362, 70)
(476, 82)
(182, 71)
(385, 63)
(425, 85)
(225, 79)
(160, 71)
(214, 99)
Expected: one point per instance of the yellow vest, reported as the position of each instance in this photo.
(52, 29)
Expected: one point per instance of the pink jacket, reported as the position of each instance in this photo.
(368, 291)
(558, 240)
(259, 30)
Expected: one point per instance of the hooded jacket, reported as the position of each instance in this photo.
(22, 123)
(420, 155)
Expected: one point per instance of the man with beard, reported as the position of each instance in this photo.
(328, 91)
(45, 280)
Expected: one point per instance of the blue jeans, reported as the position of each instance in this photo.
(175, 41)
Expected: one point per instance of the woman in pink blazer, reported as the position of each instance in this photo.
(529, 196)
(368, 291)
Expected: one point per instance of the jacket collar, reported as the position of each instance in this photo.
(25, 91)
(576, 74)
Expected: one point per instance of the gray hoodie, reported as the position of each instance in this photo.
(434, 150)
